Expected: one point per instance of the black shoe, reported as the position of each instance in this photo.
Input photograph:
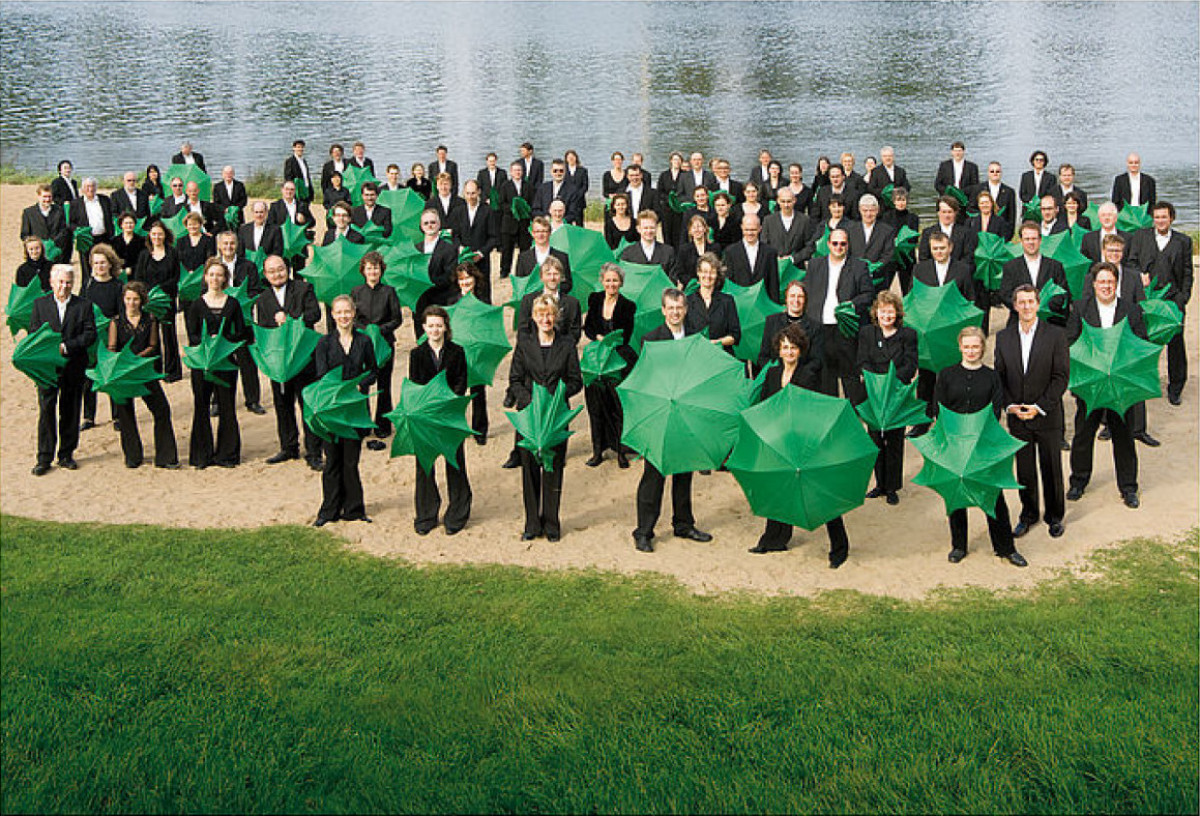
(117, 425)
(481, 439)
(892, 498)
(282, 456)
(364, 518)
(133, 465)
(1016, 559)
(622, 461)
(315, 463)
(453, 530)
(1131, 501)
(759, 549)
(40, 469)
(1147, 440)
(513, 461)
(227, 463)
(1105, 434)
(321, 522)
(509, 402)
(86, 425)
(643, 544)
(172, 378)
(692, 534)
(596, 460)
(422, 530)
(68, 464)
(1075, 493)
(875, 492)
(1057, 529)
(169, 466)
(213, 410)
(1065, 444)
(529, 536)
(1174, 399)
(1021, 529)
(956, 556)
(255, 408)
(376, 445)
(553, 537)
(834, 563)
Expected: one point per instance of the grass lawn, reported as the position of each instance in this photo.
(157, 670)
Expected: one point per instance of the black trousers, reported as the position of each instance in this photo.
(776, 536)
(510, 245)
(889, 464)
(999, 529)
(1042, 451)
(172, 367)
(341, 486)
(649, 501)
(672, 226)
(541, 492)
(165, 451)
(90, 400)
(605, 416)
(483, 290)
(383, 402)
(838, 363)
(1084, 442)
(1177, 368)
(926, 383)
(58, 414)
(251, 389)
(287, 400)
(428, 501)
(228, 450)
(479, 414)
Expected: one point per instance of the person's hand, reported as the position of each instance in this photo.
(280, 318)
(62, 348)
(1145, 279)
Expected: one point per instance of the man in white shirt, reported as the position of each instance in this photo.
(1134, 186)
(648, 249)
(95, 212)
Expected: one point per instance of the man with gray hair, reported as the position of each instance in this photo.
(129, 198)
(188, 156)
(873, 241)
(229, 192)
(1092, 245)
(886, 173)
(94, 211)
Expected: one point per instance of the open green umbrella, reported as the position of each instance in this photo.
(1061, 248)
(372, 234)
(38, 356)
(906, 244)
(191, 284)
(600, 360)
(284, 351)
(383, 349)
(295, 239)
(788, 272)
(258, 257)
(957, 194)
(1092, 213)
(51, 250)
(302, 191)
(122, 374)
(406, 206)
(430, 421)
(354, 177)
(175, 227)
(587, 251)
(334, 269)
(407, 272)
(822, 246)
(644, 285)
(968, 459)
(233, 216)
(991, 255)
(158, 303)
(139, 227)
(1154, 292)
(890, 404)
(1133, 217)
(1163, 320)
(335, 409)
(520, 209)
(1050, 304)
(1114, 368)
(682, 402)
(802, 458)
(190, 172)
(19, 307)
(84, 240)
(544, 423)
(212, 355)
(479, 329)
(241, 293)
(1033, 210)
(154, 205)
(754, 305)
(621, 246)
(938, 314)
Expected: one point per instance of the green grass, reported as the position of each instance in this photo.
(260, 182)
(158, 670)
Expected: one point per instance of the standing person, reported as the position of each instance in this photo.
(1035, 269)
(559, 189)
(1034, 364)
(956, 171)
(803, 193)
(795, 301)
(1165, 257)
(966, 388)
(1066, 186)
(649, 250)
(787, 231)
(540, 251)
(230, 192)
(887, 172)
(1003, 199)
(640, 194)
(212, 312)
(650, 488)
(546, 358)
(35, 267)
(695, 246)
(619, 224)
(475, 229)
(139, 331)
(296, 299)
(242, 271)
(898, 216)
(129, 198)
(376, 303)
(95, 212)
(188, 156)
(336, 164)
(196, 246)
(105, 295)
(443, 260)
(152, 186)
(469, 280)
(296, 168)
(351, 352)
(535, 168)
(577, 176)
(831, 280)
(371, 212)
(1035, 183)
(710, 308)
(987, 220)
(872, 240)
(47, 221)
(1134, 186)
(446, 202)
(288, 209)
(963, 241)
(258, 234)
(514, 231)
(569, 320)
(72, 317)
(614, 180)
(491, 177)
(609, 311)
(127, 243)
(64, 188)
(435, 354)
(158, 265)
(418, 182)
(1091, 247)
(669, 182)
(443, 164)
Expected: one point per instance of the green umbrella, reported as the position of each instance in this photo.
(334, 269)
(890, 404)
(877, 274)
(788, 272)
(51, 250)
(284, 351)
(190, 172)
(155, 204)
(174, 225)
(407, 272)
(101, 320)
(191, 284)
(968, 459)
(938, 313)
(301, 189)
(587, 251)
(212, 355)
(430, 421)
(39, 357)
(406, 206)
(383, 349)
(372, 234)
(544, 423)
(1092, 213)
(1154, 292)
(335, 409)
(621, 246)
(494, 199)
(991, 255)
(19, 308)
(520, 209)
(158, 303)
(802, 458)
(1133, 217)
(241, 293)
(479, 329)
(1163, 320)
(885, 195)
(523, 285)
(138, 229)
(122, 374)
(258, 257)
(1033, 209)
(754, 305)
(600, 360)
(84, 240)
(295, 239)
(822, 248)
(682, 402)
(957, 194)
(233, 216)
(644, 285)
(906, 244)
(847, 319)
(354, 177)
(1046, 307)
(1114, 368)
(678, 206)
(1062, 248)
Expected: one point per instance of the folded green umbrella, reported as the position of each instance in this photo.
(1092, 213)
(682, 404)
(284, 351)
(1075, 264)
(494, 199)
(644, 285)
(51, 250)
(155, 204)
(334, 269)
(191, 172)
(678, 206)
(212, 355)
(802, 458)
(295, 239)
(158, 303)
(122, 374)
(354, 178)
(1077, 232)
(233, 216)
(335, 409)
(406, 206)
(822, 248)
(587, 251)
(600, 360)
(383, 349)
(938, 314)
(1049, 307)
(430, 421)
(191, 284)
(544, 423)
(890, 404)
(19, 308)
(241, 293)
(877, 273)
(754, 305)
(692, 287)
(991, 255)
(788, 272)
(1163, 321)
(906, 244)
(479, 329)
(101, 320)
(302, 191)
(847, 319)
(38, 356)
(1133, 217)
(175, 226)
(372, 234)
(258, 257)
(1114, 368)
(408, 273)
(1033, 209)
(968, 459)
(84, 240)
(957, 194)
(520, 209)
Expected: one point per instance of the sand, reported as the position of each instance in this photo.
(897, 551)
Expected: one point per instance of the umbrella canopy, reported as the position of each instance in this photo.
(190, 172)
(84, 240)
(51, 250)
(354, 177)
(174, 226)
(191, 284)
(682, 402)
(122, 374)
(241, 293)
(335, 409)
(1061, 248)
(407, 272)
(1157, 292)
(644, 285)
(1046, 307)
(406, 206)
(372, 234)
(158, 303)
(890, 404)
(520, 209)
(383, 349)
(334, 269)
(295, 239)
(938, 313)
(754, 305)
(479, 329)
(1114, 368)
(847, 319)
(1163, 320)
(38, 356)
(258, 257)
(544, 423)
(968, 459)
(886, 196)
(906, 244)
(822, 246)
(101, 320)
(212, 354)
(430, 421)
(233, 216)
(587, 251)
(802, 458)
(788, 272)
(990, 257)
(284, 351)
(600, 361)
(1133, 217)
(678, 206)
(19, 308)
(959, 195)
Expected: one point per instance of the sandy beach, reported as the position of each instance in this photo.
(896, 551)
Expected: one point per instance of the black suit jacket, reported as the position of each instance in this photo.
(662, 255)
(78, 327)
(63, 190)
(1006, 200)
(1016, 272)
(876, 352)
(881, 246)
(224, 200)
(569, 322)
(818, 211)
(530, 366)
(271, 241)
(1029, 190)
(1121, 193)
(122, 204)
(663, 333)
(481, 236)
(648, 201)
(1088, 310)
(277, 215)
(997, 225)
(1044, 383)
(509, 225)
(527, 260)
(623, 318)
(945, 176)
(367, 162)
(1172, 266)
(766, 268)
(197, 157)
(79, 216)
(798, 242)
(811, 364)
(879, 179)
(567, 193)
(736, 190)
(351, 236)
(329, 355)
(381, 216)
(423, 366)
(535, 171)
(449, 212)
(959, 274)
(292, 171)
(687, 183)
(442, 263)
(451, 168)
(1091, 249)
(720, 318)
(51, 227)
(580, 179)
(299, 303)
(854, 285)
(484, 180)
(963, 243)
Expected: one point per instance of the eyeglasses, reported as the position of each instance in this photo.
(429, 223)
(837, 243)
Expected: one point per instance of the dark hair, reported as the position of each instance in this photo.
(1036, 153)
(1076, 197)
(138, 288)
(65, 161)
(1164, 205)
(336, 146)
(794, 333)
(372, 257)
(837, 198)
(437, 311)
(1104, 266)
(216, 263)
(124, 215)
(957, 143)
(157, 172)
(949, 201)
(158, 222)
(441, 147)
(888, 298)
(628, 205)
(527, 145)
(299, 142)
(1026, 287)
(343, 206)
(470, 269)
(369, 185)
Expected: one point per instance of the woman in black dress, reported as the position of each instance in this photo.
(751, 206)
(710, 308)
(470, 281)
(204, 318)
(609, 311)
(545, 357)
(36, 266)
(126, 243)
(158, 265)
(802, 192)
(988, 220)
(668, 182)
(196, 246)
(139, 331)
(351, 351)
(419, 183)
(619, 223)
(614, 180)
(695, 247)
(774, 180)
(577, 174)
(377, 303)
(727, 229)
(793, 350)
(795, 306)
(821, 177)
(104, 293)
(1073, 208)
(152, 184)
(887, 341)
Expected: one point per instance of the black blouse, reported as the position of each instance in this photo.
(361, 359)
(201, 321)
(720, 317)
(613, 234)
(966, 391)
(39, 270)
(130, 251)
(194, 255)
(162, 272)
(106, 295)
(144, 335)
(379, 306)
(875, 351)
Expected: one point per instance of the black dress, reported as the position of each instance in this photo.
(202, 321)
(380, 306)
(423, 366)
(163, 272)
(142, 340)
(719, 316)
(128, 251)
(341, 485)
(875, 354)
(105, 296)
(35, 270)
(604, 408)
(194, 255)
(422, 187)
(613, 234)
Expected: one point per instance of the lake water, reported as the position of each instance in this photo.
(115, 86)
